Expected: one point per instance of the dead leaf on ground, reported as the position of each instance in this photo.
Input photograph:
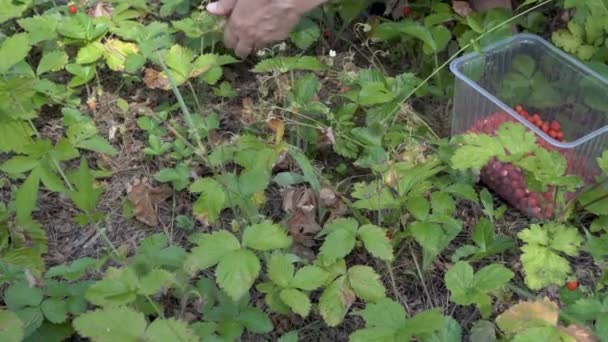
(145, 199)
(526, 315)
(154, 79)
(278, 127)
(100, 9)
(283, 162)
(326, 138)
(462, 8)
(580, 334)
(248, 116)
(301, 223)
(332, 201)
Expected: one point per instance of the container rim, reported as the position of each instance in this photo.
(526, 36)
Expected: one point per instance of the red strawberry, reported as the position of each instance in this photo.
(555, 126)
(572, 285)
(407, 10)
(73, 9)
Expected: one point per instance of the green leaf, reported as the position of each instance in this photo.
(376, 242)
(335, 301)
(285, 64)
(373, 335)
(307, 168)
(32, 319)
(476, 151)
(340, 241)
(14, 135)
(418, 206)
(52, 61)
(309, 278)
(296, 300)
(40, 28)
(179, 60)
(86, 195)
(492, 277)
(162, 330)
(422, 324)
(82, 74)
(19, 164)
(13, 50)
(442, 203)
(154, 281)
(211, 249)
(211, 201)
(483, 331)
(20, 295)
(236, 272)
(55, 310)
(385, 313)
(90, 53)
(602, 162)
(543, 267)
(26, 196)
(118, 287)
(524, 64)
(11, 327)
(451, 332)
(366, 283)
(291, 336)
(110, 325)
(97, 144)
(266, 236)
(72, 271)
(374, 93)
(255, 320)
(306, 33)
(280, 269)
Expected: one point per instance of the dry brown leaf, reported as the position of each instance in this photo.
(145, 199)
(278, 127)
(462, 8)
(154, 79)
(283, 162)
(525, 315)
(302, 224)
(332, 201)
(100, 9)
(299, 198)
(580, 334)
(327, 137)
(248, 116)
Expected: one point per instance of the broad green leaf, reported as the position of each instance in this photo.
(266, 236)
(376, 242)
(20, 295)
(378, 334)
(72, 271)
(285, 64)
(210, 250)
(385, 313)
(366, 283)
(602, 162)
(116, 52)
(340, 241)
(82, 74)
(55, 310)
(280, 269)
(14, 135)
(291, 336)
(118, 287)
(483, 331)
(255, 320)
(418, 206)
(543, 267)
(460, 279)
(442, 203)
(11, 10)
(87, 194)
(32, 319)
(154, 281)
(40, 28)
(307, 168)
(11, 327)
(179, 60)
(306, 33)
(476, 151)
(111, 325)
(13, 50)
(296, 300)
(162, 330)
(423, 324)
(524, 64)
(335, 301)
(309, 278)
(26, 196)
(90, 53)
(97, 144)
(492, 277)
(451, 332)
(483, 233)
(236, 272)
(52, 61)
(19, 164)
(211, 201)
(374, 93)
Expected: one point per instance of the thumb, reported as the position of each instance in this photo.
(221, 7)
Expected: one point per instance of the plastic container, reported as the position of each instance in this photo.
(527, 71)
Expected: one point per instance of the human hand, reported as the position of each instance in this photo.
(254, 24)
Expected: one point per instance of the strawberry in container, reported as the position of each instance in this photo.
(560, 107)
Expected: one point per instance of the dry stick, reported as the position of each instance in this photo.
(464, 48)
(399, 297)
(421, 276)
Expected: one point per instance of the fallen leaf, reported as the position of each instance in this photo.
(100, 9)
(248, 116)
(299, 198)
(327, 137)
(301, 223)
(145, 199)
(580, 334)
(332, 201)
(283, 162)
(155, 80)
(278, 127)
(462, 8)
(526, 315)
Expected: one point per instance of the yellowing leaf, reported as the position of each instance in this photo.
(116, 52)
(526, 315)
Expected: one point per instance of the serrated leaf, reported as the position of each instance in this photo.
(309, 278)
(52, 61)
(211, 249)
(118, 287)
(366, 283)
(13, 50)
(296, 300)
(255, 320)
(111, 325)
(335, 301)
(212, 200)
(376, 242)
(32, 319)
(11, 327)
(179, 60)
(87, 194)
(306, 33)
(97, 144)
(280, 269)
(19, 164)
(529, 314)
(55, 310)
(236, 272)
(20, 295)
(154, 281)
(266, 236)
(340, 241)
(27, 195)
(72, 271)
(14, 135)
(90, 53)
(543, 267)
(40, 28)
(162, 330)
(116, 51)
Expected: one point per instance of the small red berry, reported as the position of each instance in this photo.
(73, 9)
(572, 285)
(519, 109)
(555, 126)
(545, 127)
(560, 135)
(407, 10)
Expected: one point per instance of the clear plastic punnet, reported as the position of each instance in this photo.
(526, 79)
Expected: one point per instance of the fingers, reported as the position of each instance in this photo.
(230, 37)
(221, 7)
(244, 48)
